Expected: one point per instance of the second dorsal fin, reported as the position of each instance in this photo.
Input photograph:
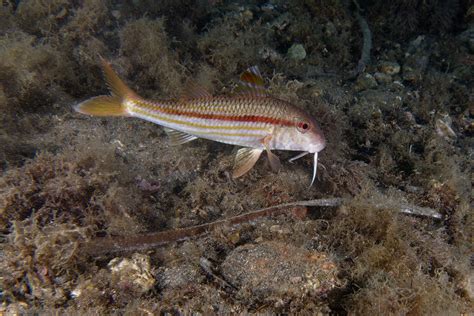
(251, 83)
(193, 90)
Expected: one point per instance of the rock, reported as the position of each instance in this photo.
(135, 273)
(414, 67)
(272, 271)
(179, 276)
(389, 68)
(382, 78)
(296, 52)
(365, 81)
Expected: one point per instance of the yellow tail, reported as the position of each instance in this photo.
(108, 105)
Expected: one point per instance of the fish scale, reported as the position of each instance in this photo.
(252, 118)
(249, 119)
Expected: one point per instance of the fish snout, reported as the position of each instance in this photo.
(318, 142)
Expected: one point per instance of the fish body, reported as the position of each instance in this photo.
(251, 118)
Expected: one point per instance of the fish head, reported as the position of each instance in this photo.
(301, 133)
(308, 134)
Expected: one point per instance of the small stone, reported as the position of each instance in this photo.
(382, 78)
(296, 52)
(389, 68)
(275, 228)
(116, 14)
(135, 272)
(365, 81)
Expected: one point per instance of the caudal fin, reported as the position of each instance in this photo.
(108, 105)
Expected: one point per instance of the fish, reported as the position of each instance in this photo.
(250, 118)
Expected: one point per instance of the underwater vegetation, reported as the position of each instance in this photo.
(399, 132)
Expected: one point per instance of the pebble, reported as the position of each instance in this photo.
(296, 52)
(389, 68)
(382, 78)
(365, 81)
(135, 271)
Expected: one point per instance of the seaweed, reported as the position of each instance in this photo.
(146, 45)
(403, 140)
(405, 18)
(51, 205)
(394, 264)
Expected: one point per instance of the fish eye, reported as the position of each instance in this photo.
(302, 127)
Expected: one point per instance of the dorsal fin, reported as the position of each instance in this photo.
(251, 83)
(193, 90)
(116, 86)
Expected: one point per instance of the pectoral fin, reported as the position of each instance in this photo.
(177, 137)
(245, 160)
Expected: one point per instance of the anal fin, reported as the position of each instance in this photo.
(274, 161)
(272, 158)
(245, 160)
(178, 138)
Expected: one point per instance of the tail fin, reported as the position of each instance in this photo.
(108, 105)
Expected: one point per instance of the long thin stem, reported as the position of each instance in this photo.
(105, 245)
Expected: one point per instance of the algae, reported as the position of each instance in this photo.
(67, 179)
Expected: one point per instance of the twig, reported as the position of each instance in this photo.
(105, 245)
(367, 39)
(419, 211)
(151, 240)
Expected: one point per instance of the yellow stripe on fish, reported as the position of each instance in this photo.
(252, 118)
